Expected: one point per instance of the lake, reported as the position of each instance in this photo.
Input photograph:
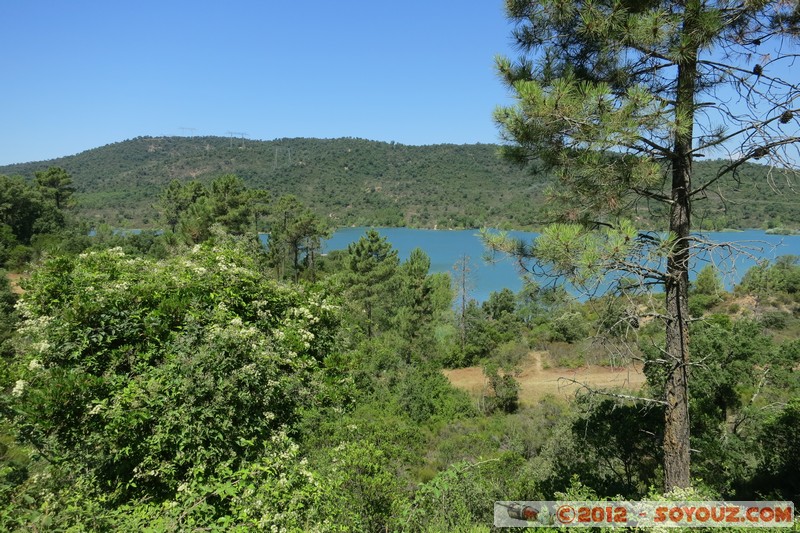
(446, 247)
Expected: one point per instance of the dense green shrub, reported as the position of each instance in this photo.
(700, 303)
(425, 394)
(503, 393)
(569, 327)
(781, 276)
(151, 374)
(775, 319)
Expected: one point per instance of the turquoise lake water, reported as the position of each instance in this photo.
(446, 247)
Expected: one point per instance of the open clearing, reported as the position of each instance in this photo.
(536, 382)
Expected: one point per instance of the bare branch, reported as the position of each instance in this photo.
(590, 390)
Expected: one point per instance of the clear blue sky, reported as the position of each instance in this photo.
(81, 74)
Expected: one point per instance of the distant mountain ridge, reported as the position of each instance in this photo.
(355, 181)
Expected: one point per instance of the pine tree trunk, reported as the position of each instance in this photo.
(676, 422)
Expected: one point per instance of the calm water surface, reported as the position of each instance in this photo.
(446, 247)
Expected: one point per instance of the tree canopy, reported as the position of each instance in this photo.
(359, 182)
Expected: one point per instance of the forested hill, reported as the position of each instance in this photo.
(359, 182)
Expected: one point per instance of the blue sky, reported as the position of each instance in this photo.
(81, 74)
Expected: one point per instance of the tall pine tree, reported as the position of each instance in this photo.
(619, 97)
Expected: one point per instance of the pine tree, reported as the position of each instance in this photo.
(620, 96)
(296, 235)
(56, 184)
(372, 266)
(414, 316)
(176, 198)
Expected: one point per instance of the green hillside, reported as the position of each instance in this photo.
(359, 182)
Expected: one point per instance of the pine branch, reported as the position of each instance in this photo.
(755, 153)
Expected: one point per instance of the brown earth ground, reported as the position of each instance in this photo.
(536, 382)
(14, 279)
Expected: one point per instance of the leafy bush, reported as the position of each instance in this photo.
(775, 320)
(708, 282)
(461, 498)
(150, 374)
(780, 449)
(569, 327)
(700, 303)
(426, 394)
(503, 395)
(277, 491)
(782, 276)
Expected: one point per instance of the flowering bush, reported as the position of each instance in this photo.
(150, 375)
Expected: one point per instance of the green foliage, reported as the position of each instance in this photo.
(706, 291)
(176, 199)
(276, 491)
(724, 417)
(503, 393)
(708, 282)
(418, 304)
(781, 277)
(425, 395)
(25, 212)
(499, 304)
(700, 303)
(621, 447)
(779, 472)
(295, 238)
(569, 327)
(150, 374)
(775, 320)
(485, 328)
(365, 491)
(56, 185)
(192, 209)
(535, 304)
(372, 265)
(7, 318)
(589, 104)
(462, 497)
(360, 182)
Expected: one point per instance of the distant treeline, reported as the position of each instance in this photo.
(353, 181)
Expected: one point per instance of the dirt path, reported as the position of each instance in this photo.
(536, 382)
(14, 281)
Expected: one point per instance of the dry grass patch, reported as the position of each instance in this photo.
(537, 382)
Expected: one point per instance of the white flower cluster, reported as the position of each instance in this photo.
(19, 387)
(306, 337)
(321, 303)
(40, 347)
(34, 365)
(23, 307)
(263, 311)
(305, 314)
(32, 329)
(224, 266)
